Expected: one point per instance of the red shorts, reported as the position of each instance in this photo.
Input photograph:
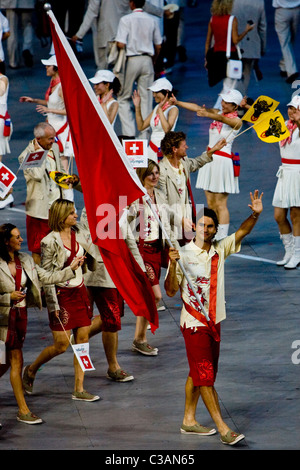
(36, 230)
(110, 305)
(203, 354)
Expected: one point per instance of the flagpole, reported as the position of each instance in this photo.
(238, 135)
(148, 200)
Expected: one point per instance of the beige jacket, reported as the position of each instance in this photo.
(52, 260)
(37, 182)
(36, 276)
(164, 213)
(168, 186)
(100, 277)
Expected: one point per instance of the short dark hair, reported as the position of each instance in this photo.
(138, 3)
(5, 235)
(170, 140)
(206, 212)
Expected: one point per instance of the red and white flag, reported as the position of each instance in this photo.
(34, 159)
(7, 179)
(107, 178)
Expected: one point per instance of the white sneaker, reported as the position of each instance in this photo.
(161, 308)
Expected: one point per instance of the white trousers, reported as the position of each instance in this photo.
(13, 42)
(138, 69)
(286, 24)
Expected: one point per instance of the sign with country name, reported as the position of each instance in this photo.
(137, 152)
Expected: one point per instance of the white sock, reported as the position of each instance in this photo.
(68, 194)
(222, 231)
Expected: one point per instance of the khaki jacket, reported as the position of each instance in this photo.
(37, 182)
(36, 276)
(169, 188)
(164, 213)
(52, 260)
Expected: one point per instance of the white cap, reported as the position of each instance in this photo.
(232, 96)
(295, 102)
(103, 76)
(50, 61)
(161, 84)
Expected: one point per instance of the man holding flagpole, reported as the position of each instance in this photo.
(203, 258)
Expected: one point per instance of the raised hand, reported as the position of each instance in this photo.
(256, 202)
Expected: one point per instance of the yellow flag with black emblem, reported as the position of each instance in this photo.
(271, 128)
(261, 106)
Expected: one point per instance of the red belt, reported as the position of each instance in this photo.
(156, 149)
(222, 154)
(234, 157)
(289, 161)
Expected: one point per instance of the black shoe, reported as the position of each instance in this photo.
(28, 58)
(292, 78)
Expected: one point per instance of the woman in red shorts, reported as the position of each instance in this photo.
(67, 302)
(20, 289)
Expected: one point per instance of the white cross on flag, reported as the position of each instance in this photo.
(7, 179)
(136, 150)
(81, 352)
(34, 159)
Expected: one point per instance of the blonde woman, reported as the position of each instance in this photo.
(68, 303)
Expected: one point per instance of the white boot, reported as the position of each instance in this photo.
(222, 231)
(288, 243)
(295, 259)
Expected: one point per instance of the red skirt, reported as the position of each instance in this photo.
(152, 257)
(75, 309)
(17, 327)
